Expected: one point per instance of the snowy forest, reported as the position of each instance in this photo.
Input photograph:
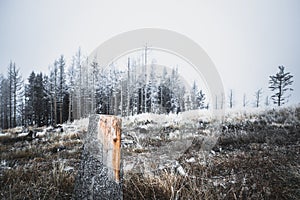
(170, 150)
(82, 88)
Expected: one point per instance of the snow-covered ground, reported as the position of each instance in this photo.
(219, 158)
(154, 142)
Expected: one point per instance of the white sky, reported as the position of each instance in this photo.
(246, 40)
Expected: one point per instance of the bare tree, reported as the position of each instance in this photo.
(4, 102)
(258, 94)
(267, 102)
(128, 87)
(280, 83)
(95, 74)
(71, 83)
(222, 100)
(231, 99)
(15, 87)
(78, 67)
(245, 102)
(146, 79)
(1, 97)
(55, 92)
(194, 91)
(10, 80)
(62, 86)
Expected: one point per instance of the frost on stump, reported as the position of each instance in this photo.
(100, 172)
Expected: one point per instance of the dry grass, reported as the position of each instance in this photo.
(41, 168)
(257, 160)
(37, 183)
(259, 173)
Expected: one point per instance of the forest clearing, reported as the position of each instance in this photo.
(255, 156)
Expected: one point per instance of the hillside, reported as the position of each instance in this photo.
(250, 155)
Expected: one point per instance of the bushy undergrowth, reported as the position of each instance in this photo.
(257, 156)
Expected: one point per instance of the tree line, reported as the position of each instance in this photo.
(82, 88)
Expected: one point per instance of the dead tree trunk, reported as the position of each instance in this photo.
(100, 173)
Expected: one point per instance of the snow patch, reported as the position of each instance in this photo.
(41, 134)
(4, 134)
(191, 160)
(22, 134)
(81, 124)
(145, 120)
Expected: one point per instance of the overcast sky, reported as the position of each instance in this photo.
(246, 40)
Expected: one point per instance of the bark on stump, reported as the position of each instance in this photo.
(100, 172)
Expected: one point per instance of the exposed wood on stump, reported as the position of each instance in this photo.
(100, 173)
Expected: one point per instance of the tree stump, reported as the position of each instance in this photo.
(100, 172)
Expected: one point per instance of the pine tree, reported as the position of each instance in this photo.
(153, 91)
(95, 74)
(280, 83)
(200, 100)
(175, 90)
(55, 91)
(46, 101)
(38, 101)
(188, 103)
(62, 89)
(181, 98)
(162, 89)
(194, 91)
(30, 100)
(166, 95)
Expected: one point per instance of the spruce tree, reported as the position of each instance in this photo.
(280, 83)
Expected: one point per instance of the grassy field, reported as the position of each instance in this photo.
(257, 156)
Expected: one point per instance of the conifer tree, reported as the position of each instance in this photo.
(280, 83)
